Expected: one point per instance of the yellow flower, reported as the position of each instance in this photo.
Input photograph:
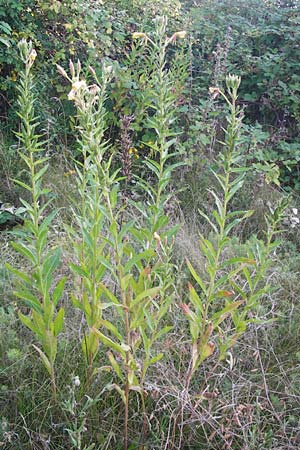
(214, 91)
(13, 76)
(156, 236)
(107, 69)
(138, 35)
(31, 57)
(76, 86)
(70, 172)
(180, 34)
(133, 151)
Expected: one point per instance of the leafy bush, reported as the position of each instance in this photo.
(257, 41)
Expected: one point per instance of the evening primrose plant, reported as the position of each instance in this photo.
(222, 299)
(93, 180)
(36, 283)
(123, 266)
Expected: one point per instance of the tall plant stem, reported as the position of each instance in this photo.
(53, 385)
(126, 303)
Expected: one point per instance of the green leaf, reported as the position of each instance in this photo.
(40, 173)
(58, 290)
(23, 276)
(195, 299)
(112, 328)
(234, 189)
(120, 391)
(164, 307)
(89, 345)
(238, 289)
(232, 224)
(23, 185)
(146, 340)
(5, 41)
(196, 276)
(111, 344)
(219, 316)
(41, 161)
(109, 294)
(105, 262)
(76, 303)
(115, 366)
(153, 360)
(238, 260)
(80, 270)
(44, 358)
(30, 300)
(50, 263)
(25, 251)
(27, 321)
(147, 294)
(248, 277)
(59, 322)
(218, 202)
(205, 351)
(125, 229)
(162, 332)
(153, 166)
(209, 251)
(50, 216)
(133, 261)
(124, 282)
(221, 180)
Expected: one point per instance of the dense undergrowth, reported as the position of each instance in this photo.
(149, 275)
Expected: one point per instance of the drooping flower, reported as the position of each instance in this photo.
(138, 35)
(178, 35)
(31, 58)
(214, 91)
(76, 86)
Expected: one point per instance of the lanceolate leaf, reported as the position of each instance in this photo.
(58, 290)
(44, 358)
(115, 366)
(147, 294)
(110, 343)
(59, 322)
(196, 276)
(219, 316)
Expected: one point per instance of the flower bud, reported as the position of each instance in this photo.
(233, 81)
(185, 309)
(92, 71)
(31, 58)
(180, 34)
(62, 71)
(72, 68)
(24, 48)
(107, 69)
(156, 236)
